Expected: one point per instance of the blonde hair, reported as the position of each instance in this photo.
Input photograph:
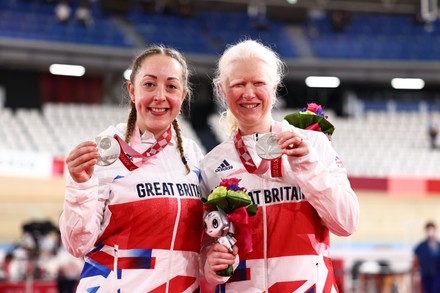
(244, 50)
(137, 63)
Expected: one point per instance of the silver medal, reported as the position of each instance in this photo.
(268, 147)
(108, 148)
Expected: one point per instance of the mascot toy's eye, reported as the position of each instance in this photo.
(214, 223)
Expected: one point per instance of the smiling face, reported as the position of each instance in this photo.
(158, 92)
(249, 91)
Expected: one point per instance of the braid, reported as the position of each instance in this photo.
(130, 123)
(180, 144)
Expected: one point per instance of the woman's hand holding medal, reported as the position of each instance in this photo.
(293, 144)
(81, 161)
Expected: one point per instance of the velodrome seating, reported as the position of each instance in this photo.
(208, 32)
(380, 37)
(367, 36)
(205, 33)
(375, 144)
(35, 20)
(58, 128)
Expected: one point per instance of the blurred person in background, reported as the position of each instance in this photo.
(432, 131)
(68, 270)
(62, 11)
(84, 14)
(30, 257)
(138, 221)
(303, 194)
(426, 263)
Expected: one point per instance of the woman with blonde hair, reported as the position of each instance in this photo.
(293, 175)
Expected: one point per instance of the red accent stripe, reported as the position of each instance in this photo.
(369, 183)
(177, 284)
(285, 286)
(330, 281)
(123, 262)
(433, 186)
(136, 263)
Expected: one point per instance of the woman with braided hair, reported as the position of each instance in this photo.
(137, 222)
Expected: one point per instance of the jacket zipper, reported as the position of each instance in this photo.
(173, 240)
(318, 289)
(115, 266)
(265, 264)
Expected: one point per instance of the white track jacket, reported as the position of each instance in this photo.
(296, 212)
(139, 230)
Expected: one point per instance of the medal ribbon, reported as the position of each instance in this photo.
(248, 163)
(128, 153)
(246, 158)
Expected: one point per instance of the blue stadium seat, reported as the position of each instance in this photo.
(381, 37)
(35, 20)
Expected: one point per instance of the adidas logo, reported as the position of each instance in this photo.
(224, 166)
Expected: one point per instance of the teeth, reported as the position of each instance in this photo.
(158, 109)
(249, 106)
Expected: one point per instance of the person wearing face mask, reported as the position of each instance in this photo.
(137, 220)
(426, 260)
(294, 176)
